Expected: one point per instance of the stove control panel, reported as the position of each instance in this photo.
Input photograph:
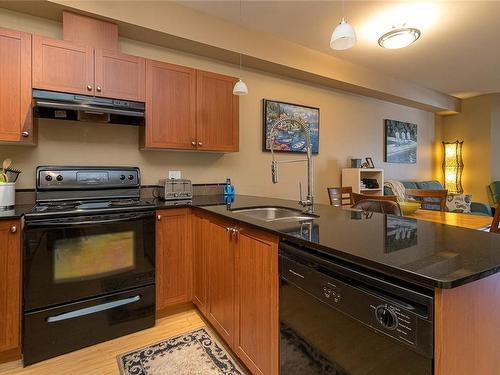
(85, 178)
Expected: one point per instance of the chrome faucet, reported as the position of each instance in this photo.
(307, 203)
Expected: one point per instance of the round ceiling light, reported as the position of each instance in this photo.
(399, 38)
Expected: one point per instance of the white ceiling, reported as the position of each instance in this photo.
(458, 52)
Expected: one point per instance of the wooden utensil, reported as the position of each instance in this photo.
(6, 164)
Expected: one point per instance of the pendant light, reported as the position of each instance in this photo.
(344, 36)
(240, 88)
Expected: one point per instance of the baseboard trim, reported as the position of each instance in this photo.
(174, 309)
(10, 355)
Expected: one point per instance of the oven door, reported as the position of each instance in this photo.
(68, 259)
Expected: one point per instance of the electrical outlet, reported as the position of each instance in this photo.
(174, 174)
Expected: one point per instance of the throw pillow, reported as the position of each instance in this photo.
(459, 203)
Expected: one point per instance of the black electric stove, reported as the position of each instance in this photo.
(88, 260)
(66, 191)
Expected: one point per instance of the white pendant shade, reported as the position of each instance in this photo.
(240, 88)
(343, 37)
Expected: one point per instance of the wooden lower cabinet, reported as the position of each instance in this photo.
(238, 289)
(200, 226)
(173, 258)
(10, 289)
(220, 279)
(256, 301)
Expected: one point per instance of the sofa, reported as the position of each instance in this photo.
(477, 208)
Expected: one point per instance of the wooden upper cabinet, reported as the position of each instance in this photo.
(173, 258)
(221, 280)
(119, 76)
(217, 115)
(15, 87)
(62, 66)
(170, 107)
(10, 281)
(256, 301)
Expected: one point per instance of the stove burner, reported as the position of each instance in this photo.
(125, 202)
(56, 206)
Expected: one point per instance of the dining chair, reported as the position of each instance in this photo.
(381, 206)
(340, 196)
(496, 221)
(434, 197)
(359, 197)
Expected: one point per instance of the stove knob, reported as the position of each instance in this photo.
(48, 178)
(59, 177)
(122, 177)
(131, 177)
(386, 317)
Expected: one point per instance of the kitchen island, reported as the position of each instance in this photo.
(457, 266)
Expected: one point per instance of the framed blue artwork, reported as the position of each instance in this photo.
(289, 139)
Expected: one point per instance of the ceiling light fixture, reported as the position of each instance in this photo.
(399, 38)
(344, 36)
(240, 88)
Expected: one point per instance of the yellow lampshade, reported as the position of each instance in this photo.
(453, 166)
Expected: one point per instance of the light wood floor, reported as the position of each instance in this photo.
(101, 359)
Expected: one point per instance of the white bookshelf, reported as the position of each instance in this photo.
(352, 177)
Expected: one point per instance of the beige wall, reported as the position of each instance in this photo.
(495, 137)
(473, 126)
(350, 126)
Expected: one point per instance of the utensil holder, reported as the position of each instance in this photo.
(7, 196)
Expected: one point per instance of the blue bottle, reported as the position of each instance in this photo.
(228, 189)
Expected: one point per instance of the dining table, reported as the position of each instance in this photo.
(453, 218)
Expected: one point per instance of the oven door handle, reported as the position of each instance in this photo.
(86, 222)
(92, 309)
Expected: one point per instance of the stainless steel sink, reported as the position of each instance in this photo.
(274, 214)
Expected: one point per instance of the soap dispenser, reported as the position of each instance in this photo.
(228, 188)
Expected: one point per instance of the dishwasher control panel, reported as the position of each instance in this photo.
(371, 307)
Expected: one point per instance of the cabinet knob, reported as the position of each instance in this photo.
(25, 134)
(200, 144)
(89, 88)
(98, 88)
(193, 143)
(158, 217)
(13, 229)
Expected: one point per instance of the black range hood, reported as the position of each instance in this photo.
(63, 106)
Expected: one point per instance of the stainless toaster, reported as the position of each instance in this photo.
(173, 189)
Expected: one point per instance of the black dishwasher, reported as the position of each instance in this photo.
(338, 319)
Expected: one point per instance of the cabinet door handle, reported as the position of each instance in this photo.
(158, 217)
(193, 143)
(98, 88)
(200, 144)
(25, 134)
(89, 88)
(13, 229)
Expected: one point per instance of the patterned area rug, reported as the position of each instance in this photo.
(193, 353)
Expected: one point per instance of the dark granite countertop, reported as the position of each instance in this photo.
(18, 211)
(419, 252)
